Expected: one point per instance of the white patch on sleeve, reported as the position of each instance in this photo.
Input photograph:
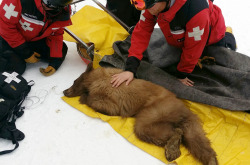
(142, 16)
(197, 33)
(10, 11)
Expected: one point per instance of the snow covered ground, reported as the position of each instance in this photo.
(57, 134)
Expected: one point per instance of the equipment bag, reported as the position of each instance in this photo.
(13, 91)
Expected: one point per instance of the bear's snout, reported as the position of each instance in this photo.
(68, 92)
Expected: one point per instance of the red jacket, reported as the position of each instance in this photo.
(25, 21)
(186, 25)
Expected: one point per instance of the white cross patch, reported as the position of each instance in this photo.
(197, 33)
(11, 77)
(1, 100)
(142, 16)
(10, 11)
(26, 26)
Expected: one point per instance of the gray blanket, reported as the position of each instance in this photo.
(224, 84)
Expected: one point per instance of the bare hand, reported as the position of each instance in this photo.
(118, 79)
(187, 82)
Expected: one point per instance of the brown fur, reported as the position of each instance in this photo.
(161, 118)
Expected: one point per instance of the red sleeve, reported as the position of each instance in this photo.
(196, 36)
(55, 42)
(218, 27)
(141, 34)
(10, 13)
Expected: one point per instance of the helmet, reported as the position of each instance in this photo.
(56, 3)
(55, 6)
(145, 4)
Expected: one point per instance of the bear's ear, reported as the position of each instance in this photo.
(89, 67)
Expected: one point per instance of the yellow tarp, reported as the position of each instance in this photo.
(94, 25)
(229, 133)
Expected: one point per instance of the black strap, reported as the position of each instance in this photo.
(11, 127)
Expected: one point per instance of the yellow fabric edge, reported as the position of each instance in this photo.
(228, 131)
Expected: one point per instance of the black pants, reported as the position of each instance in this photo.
(124, 11)
(11, 61)
(228, 41)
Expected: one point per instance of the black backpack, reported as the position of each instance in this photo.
(13, 91)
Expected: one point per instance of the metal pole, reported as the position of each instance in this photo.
(112, 15)
(76, 2)
(90, 49)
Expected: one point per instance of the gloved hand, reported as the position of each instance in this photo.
(35, 57)
(206, 60)
(48, 71)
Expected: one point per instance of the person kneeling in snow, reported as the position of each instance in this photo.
(187, 24)
(33, 30)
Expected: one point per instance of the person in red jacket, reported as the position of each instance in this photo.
(33, 30)
(187, 24)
